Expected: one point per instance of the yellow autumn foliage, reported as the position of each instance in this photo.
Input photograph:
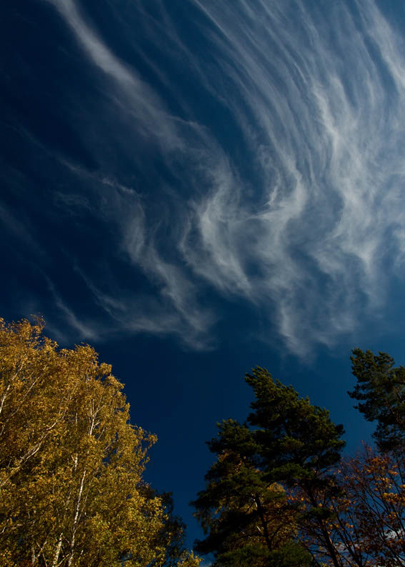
(71, 464)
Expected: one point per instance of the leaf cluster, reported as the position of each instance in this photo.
(71, 464)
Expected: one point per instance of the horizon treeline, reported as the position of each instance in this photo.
(278, 494)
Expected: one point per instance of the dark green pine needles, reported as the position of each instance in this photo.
(247, 509)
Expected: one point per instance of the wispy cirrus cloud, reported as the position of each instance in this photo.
(298, 223)
(320, 108)
(135, 97)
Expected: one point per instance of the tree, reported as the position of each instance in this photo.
(380, 390)
(367, 517)
(374, 486)
(300, 447)
(297, 441)
(286, 444)
(71, 464)
(246, 517)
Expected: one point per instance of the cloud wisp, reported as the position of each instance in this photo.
(134, 95)
(300, 221)
(321, 110)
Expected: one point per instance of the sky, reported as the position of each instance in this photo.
(199, 187)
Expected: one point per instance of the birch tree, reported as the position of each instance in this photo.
(71, 464)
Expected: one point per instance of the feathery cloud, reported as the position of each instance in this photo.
(297, 223)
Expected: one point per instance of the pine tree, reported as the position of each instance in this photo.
(246, 518)
(380, 390)
(246, 510)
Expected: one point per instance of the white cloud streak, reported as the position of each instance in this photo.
(319, 104)
(327, 133)
(134, 95)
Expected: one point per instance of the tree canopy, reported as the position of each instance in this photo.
(286, 442)
(71, 463)
(380, 390)
(280, 492)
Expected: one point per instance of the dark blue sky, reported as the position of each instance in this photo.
(197, 187)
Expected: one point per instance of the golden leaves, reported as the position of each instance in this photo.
(71, 463)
